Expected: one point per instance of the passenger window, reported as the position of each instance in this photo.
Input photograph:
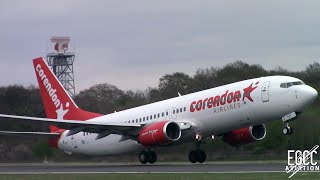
(150, 117)
(167, 113)
(154, 116)
(147, 118)
(158, 115)
(180, 109)
(163, 114)
(144, 118)
(132, 121)
(174, 111)
(185, 108)
(136, 120)
(140, 120)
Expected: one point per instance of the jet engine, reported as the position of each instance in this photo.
(245, 135)
(159, 133)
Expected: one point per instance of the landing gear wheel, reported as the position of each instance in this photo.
(153, 157)
(193, 156)
(291, 131)
(201, 156)
(148, 156)
(144, 157)
(197, 156)
(287, 130)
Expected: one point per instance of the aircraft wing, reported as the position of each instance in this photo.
(76, 126)
(18, 133)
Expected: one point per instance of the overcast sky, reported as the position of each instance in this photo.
(132, 43)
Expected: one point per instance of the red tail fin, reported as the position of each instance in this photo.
(57, 102)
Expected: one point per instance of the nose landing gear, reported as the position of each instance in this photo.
(287, 130)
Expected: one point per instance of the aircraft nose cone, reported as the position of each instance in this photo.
(310, 94)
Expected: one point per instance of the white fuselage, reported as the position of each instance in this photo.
(269, 102)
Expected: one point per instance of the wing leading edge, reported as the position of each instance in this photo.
(76, 126)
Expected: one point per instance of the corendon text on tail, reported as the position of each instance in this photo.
(183, 119)
(47, 84)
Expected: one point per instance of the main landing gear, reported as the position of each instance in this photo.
(148, 156)
(287, 130)
(197, 155)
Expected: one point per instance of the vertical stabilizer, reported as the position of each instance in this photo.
(57, 102)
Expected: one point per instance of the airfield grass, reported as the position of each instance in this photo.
(161, 176)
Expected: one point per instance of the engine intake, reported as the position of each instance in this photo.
(245, 135)
(159, 133)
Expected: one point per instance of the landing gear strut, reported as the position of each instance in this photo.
(287, 130)
(148, 156)
(197, 155)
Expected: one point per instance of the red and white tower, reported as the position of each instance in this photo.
(61, 61)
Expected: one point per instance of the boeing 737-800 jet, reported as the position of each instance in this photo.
(236, 112)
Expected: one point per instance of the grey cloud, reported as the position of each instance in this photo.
(117, 41)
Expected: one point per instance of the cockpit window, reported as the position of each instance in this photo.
(289, 84)
(297, 83)
(283, 85)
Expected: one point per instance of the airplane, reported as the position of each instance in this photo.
(236, 112)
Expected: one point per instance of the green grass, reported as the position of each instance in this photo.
(162, 176)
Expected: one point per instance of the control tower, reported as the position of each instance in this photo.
(61, 62)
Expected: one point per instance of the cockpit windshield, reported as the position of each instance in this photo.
(289, 84)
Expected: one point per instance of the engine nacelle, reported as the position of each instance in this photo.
(245, 135)
(159, 133)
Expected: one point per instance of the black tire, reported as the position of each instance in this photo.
(144, 157)
(291, 131)
(286, 130)
(153, 157)
(201, 156)
(193, 156)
